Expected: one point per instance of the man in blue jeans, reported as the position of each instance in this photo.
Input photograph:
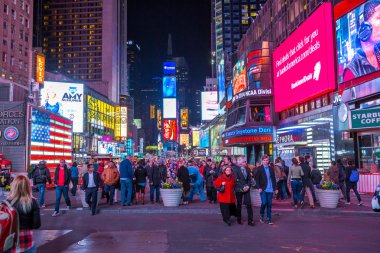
(155, 179)
(126, 181)
(62, 181)
(266, 183)
(40, 177)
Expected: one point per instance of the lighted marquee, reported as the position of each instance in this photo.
(170, 130)
(258, 134)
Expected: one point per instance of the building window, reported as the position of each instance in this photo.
(5, 25)
(12, 61)
(4, 58)
(12, 29)
(12, 44)
(5, 9)
(4, 42)
(27, 23)
(14, 14)
(27, 8)
(260, 113)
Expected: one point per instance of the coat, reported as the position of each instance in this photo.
(41, 176)
(154, 175)
(86, 180)
(228, 196)
(67, 175)
(111, 176)
(183, 176)
(141, 174)
(240, 181)
(210, 175)
(261, 178)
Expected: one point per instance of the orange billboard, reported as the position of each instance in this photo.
(40, 69)
(159, 119)
(184, 118)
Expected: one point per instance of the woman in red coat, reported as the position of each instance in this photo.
(227, 197)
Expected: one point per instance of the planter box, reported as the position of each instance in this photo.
(82, 196)
(328, 198)
(171, 197)
(255, 197)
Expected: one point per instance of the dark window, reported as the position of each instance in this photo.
(260, 113)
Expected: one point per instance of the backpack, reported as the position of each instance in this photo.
(354, 177)
(316, 176)
(376, 200)
(9, 226)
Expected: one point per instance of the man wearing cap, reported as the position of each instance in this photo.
(40, 176)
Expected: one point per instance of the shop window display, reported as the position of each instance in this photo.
(369, 152)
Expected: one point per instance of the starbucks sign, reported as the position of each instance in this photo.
(367, 118)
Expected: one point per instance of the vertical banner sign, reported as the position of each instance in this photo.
(40, 69)
(152, 111)
(117, 122)
(123, 119)
(184, 118)
(170, 130)
(159, 119)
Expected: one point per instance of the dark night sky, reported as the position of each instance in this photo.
(150, 22)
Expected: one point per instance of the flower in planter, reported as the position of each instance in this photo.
(328, 185)
(172, 184)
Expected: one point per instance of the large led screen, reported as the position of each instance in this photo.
(169, 86)
(195, 135)
(169, 68)
(169, 130)
(209, 105)
(303, 66)
(239, 76)
(229, 92)
(221, 81)
(65, 99)
(184, 117)
(170, 108)
(356, 38)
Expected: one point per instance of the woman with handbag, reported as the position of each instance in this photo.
(225, 186)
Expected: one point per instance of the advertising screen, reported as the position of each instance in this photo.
(65, 99)
(184, 113)
(239, 76)
(229, 92)
(159, 119)
(105, 148)
(355, 38)
(152, 111)
(195, 135)
(170, 108)
(169, 130)
(258, 66)
(221, 81)
(184, 139)
(303, 66)
(169, 86)
(169, 68)
(209, 105)
(204, 138)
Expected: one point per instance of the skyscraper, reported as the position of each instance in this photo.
(86, 40)
(232, 19)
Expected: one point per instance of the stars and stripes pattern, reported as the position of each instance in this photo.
(51, 138)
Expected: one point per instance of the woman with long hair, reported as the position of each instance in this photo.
(28, 211)
(295, 181)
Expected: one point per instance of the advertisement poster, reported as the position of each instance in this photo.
(195, 135)
(258, 63)
(209, 105)
(184, 113)
(184, 139)
(170, 108)
(221, 81)
(159, 119)
(105, 148)
(239, 76)
(65, 99)
(152, 111)
(170, 130)
(12, 124)
(169, 68)
(303, 66)
(356, 38)
(169, 86)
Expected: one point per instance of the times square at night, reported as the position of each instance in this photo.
(156, 119)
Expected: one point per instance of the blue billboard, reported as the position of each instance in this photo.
(229, 92)
(169, 86)
(169, 68)
(221, 82)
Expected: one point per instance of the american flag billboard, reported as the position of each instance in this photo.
(51, 138)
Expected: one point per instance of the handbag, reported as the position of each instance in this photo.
(221, 189)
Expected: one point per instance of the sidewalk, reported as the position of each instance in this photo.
(283, 207)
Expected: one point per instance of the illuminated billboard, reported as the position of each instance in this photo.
(303, 66)
(65, 99)
(40, 69)
(356, 40)
(221, 81)
(239, 76)
(170, 108)
(229, 92)
(152, 111)
(184, 139)
(169, 86)
(170, 130)
(258, 65)
(106, 148)
(159, 119)
(169, 68)
(184, 117)
(209, 105)
(195, 134)
(204, 138)
(100, 114)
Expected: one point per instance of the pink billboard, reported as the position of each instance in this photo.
(303, 66)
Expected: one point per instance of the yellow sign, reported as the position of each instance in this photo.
(184, 118)
(100, 114)
(159, 119)
(184, 140)
(40, 69)
(152, 111)
(195, 138)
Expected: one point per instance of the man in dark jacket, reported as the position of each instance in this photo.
(91, 183)
(342, 177)
(243, 183)
(184, 177)
(210, 174)
(154, 177)
(351, 185)
(62, 181)
(126, 181)
(266, 184)
(306, 181)
(40, 177)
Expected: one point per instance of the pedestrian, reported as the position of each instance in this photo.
(316, 176)
(342, 178)
(243, 183)
(266, 183)
(285, 188)
(226, 195)
(279, 175)
(196, 185)
(210, 176)
(99, 167)
(352, 178)
(126, 181)
(295, 181)
(163, 170)
(110, 177)
(140, 175)
(74, 178)
(333, 172)
(91, 184)
(40, 177)
(28, 211)
(61, 180)
(307, 185)
(183, 176)
(154, 177)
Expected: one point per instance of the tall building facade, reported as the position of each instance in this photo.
(232, 19)
(86, 40)
(16, 20)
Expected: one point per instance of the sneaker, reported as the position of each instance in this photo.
(295, 206)
(348, 203)
(43, 206)
(269, 222)
(55, 214)
(302, 204)
(68, 207)
(360, 203)
(261, 220)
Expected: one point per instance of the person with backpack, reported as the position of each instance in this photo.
(28, 212)
(352, 178)
(40, 177)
